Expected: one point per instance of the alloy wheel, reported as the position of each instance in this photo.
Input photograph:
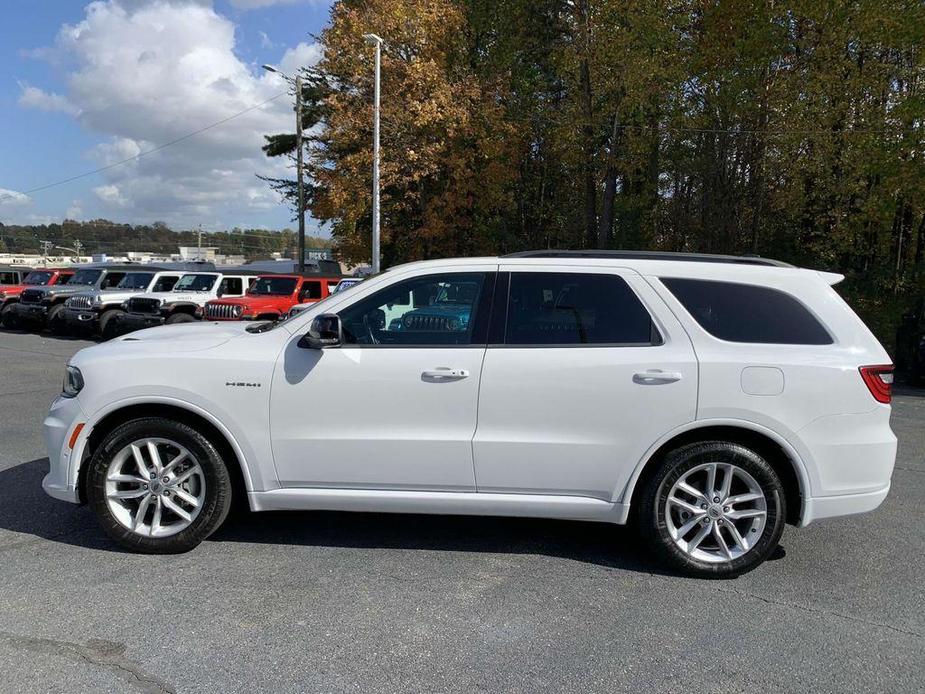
(155, 487)
(715, 512)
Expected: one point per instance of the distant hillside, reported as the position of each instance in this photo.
(104, 236)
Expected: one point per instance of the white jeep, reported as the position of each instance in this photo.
(185, 302)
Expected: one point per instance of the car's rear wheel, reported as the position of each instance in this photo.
(158, 486)
(180, 318)
(714, 509)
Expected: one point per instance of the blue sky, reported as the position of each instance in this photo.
(87, 84)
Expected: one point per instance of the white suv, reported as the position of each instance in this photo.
(710, 399)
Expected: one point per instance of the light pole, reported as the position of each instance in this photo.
(298, 143)
(373, 40)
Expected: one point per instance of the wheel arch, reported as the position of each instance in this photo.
(268, 315)
(212, 429)
(770, 445)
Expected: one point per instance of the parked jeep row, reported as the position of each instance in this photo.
(108, 300)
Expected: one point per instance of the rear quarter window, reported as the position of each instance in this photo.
(748, 313)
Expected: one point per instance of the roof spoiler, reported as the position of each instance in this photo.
(832, 278)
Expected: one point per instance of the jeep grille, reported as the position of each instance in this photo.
(78, 302)
(223, 311)
(31, 296)
(428, 323)
(142, 305)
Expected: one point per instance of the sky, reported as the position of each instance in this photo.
(87, 84)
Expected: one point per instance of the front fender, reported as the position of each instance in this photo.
(247, 456)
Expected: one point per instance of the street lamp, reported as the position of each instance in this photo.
(373, 40)
(298, 142)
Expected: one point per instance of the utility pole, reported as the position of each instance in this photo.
(78, 247)
(199, 243)
(373, 40)
(46, 249)
(298, 145)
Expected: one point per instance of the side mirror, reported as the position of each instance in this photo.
(325, 331)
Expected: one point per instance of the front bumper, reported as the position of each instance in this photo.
(81, 318)
(130, 322)
(34, 313)
(63, 417)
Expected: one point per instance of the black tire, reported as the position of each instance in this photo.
(217, 494)
(179, 318)
(654, 499)
(8, 318)
(55, 322)
(108, 321)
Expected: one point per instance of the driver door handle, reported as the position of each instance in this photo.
(444, 373)
(655, 376)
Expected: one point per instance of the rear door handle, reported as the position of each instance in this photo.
(444, 373)
(656, 376)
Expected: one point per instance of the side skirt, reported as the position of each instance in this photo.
(440, 503)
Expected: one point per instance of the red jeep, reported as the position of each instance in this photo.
(9, 294)
(271, 297)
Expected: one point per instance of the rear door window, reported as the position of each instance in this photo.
(748, 313)
(9, 278)
(561, 308)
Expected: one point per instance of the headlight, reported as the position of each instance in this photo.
(238, 310)
(96, 301)
(73, 382)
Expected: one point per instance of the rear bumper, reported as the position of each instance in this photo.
(852, 458)
(817, 508)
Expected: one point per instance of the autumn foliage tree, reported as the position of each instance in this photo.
(789, 129)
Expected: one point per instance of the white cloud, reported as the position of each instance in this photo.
(33, 97)
(303, 55)
(75, 211)
(13, 197)
(265, 41)
(146, 73)
(111, 195)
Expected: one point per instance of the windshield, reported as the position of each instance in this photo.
(274, 285)
(135, 280)
(457, 293)
(195, 283)
(38, 277)
(85, 277)
(345, 284)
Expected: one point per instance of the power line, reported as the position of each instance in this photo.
(155, 149)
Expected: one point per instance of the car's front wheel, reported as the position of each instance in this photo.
(158, 486)
(713, 509)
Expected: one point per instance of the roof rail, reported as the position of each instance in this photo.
(653, 255)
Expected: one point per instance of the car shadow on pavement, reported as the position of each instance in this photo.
(27, 510)
(610, 546)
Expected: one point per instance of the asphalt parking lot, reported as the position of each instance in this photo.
(330, 602)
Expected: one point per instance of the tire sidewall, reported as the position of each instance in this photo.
(108, 322)
(55, 321)
(687, 457)
(217, 481)
(179, 318)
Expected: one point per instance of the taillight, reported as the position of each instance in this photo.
(879, 380)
